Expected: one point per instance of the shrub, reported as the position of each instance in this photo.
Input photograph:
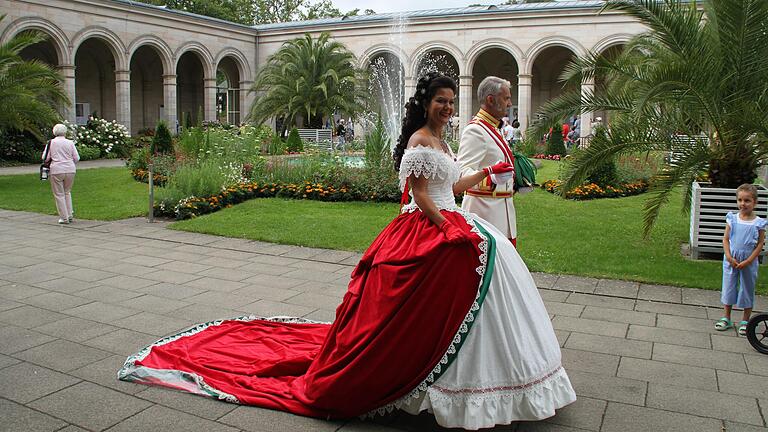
(163, 166)
(276, 146)
(294, 143)
(555, 145)
(162, 142)
(20, 146)
(196, 180)
(88, 152)
(603, 174)
(528, 146)
(107, 136)
(643, 166)
(377, 145)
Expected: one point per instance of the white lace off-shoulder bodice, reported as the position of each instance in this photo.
(439, 168)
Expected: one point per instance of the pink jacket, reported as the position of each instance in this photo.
(63, 156)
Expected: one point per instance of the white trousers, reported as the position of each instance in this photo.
(61, 186)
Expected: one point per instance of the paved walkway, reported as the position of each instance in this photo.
(641, 357)
(34, 169)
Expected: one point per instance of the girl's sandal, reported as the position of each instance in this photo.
(724, 324)
(743, 328)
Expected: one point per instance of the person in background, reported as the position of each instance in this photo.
(506, 130)
(63, 156)
(341, 132)
(517, 133)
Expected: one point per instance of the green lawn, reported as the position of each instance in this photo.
(102, 194)
(599, 238)
(347, 226)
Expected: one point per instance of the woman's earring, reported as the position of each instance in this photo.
(425, 114)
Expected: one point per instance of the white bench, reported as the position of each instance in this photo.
(320, 138)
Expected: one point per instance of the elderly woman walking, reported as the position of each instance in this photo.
(63, 156)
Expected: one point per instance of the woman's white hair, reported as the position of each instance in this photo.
(490, 86)
(59, 130)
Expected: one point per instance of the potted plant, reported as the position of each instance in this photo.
(693, 86)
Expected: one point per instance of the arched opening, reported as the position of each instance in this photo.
(500, 63)
(386, 83)
(228, 91)
(147, 106)
(547, 68)
(610, 53)
(94, 81)
(44, 51)
(189, 89)
(439, 60)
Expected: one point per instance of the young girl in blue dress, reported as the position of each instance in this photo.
(742, 242)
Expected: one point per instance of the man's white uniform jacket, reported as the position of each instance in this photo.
(478, 149)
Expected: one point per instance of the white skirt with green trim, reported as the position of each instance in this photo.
(509, 367)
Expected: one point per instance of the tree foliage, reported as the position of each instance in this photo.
(308, 77)
(695, 86)
(30, 91)
(162, 142)
(252, 12)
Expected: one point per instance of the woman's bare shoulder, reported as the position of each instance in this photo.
(421, 139)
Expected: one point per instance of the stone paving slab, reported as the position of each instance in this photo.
(640, 357)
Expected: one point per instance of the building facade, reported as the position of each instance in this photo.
(137, 63)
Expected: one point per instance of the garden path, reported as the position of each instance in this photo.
(32, 169)
(641, 357)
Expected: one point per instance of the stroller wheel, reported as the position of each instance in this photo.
(757, 333)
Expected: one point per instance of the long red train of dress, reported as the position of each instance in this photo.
(410, 301)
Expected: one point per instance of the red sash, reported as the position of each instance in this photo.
(496, 137)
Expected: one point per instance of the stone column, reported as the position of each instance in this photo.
(465, 104)
(524, 86)
(209, 100)
(169, 102)
(587, 87)
(246, 99)
(68, 111)
(410, 88)
(123, 98)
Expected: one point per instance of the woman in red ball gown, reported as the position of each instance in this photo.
(441, 314)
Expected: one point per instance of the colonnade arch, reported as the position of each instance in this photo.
(600, 83)
(147, 100)
(56, 45)
(190, 94)
(496, 61)
(95, 84)
(44, 51)
(228, 92)
(546, 69)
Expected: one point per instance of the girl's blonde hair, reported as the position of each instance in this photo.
(750, 188)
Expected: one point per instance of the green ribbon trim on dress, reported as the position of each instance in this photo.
(484, 285)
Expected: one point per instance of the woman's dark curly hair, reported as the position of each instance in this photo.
(415, 109)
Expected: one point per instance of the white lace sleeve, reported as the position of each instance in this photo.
(421, 162)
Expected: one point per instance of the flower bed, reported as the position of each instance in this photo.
(592, 191)
(142, 175)
(555, 157)
(195, 206)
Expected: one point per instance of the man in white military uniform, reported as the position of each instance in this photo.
(482, 144)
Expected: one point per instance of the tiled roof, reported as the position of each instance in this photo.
(430, 13)
(475, 10)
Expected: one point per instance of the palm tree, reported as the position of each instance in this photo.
(307, 77)
(30, 90)
(694, 85)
